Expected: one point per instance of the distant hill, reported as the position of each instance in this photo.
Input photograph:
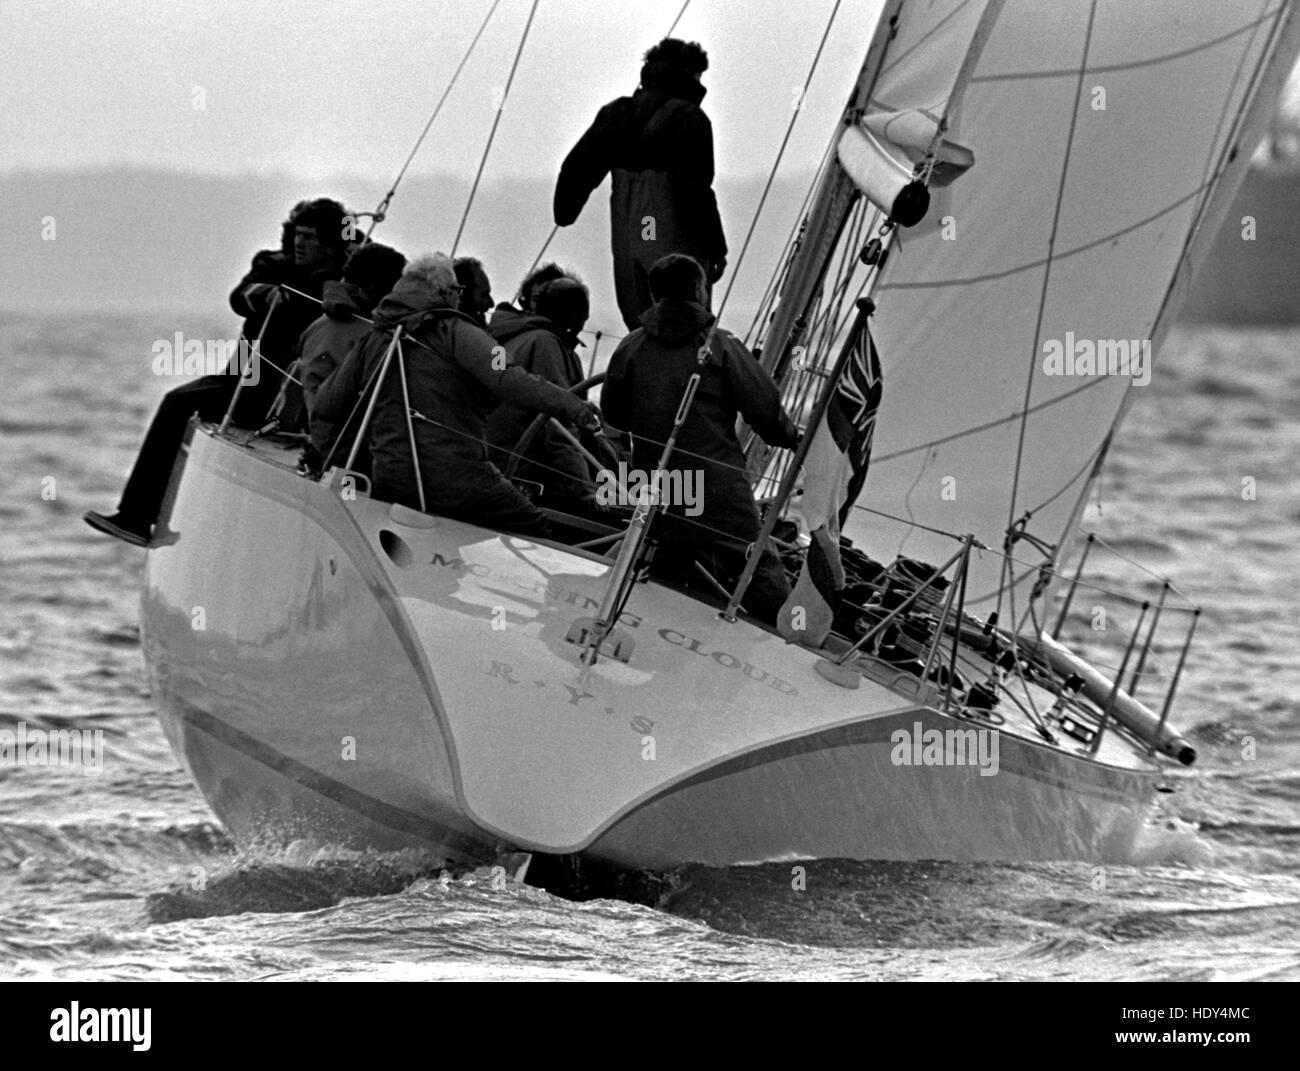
(127, 239)
(132, 239)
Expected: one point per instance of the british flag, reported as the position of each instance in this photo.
(851, 418)
(834, 471)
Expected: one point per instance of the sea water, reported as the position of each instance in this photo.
(124, 873)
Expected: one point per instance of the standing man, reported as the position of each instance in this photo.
(658, 144)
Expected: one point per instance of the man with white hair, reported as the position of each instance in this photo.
(456, 374)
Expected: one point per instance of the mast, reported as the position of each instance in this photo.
(835, 200)
(831, 197)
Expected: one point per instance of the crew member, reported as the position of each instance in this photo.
(310, 253)
(658, 143)
(370, 273)
(544, 342)
(643, 392)
(455, 375)
(476, 289)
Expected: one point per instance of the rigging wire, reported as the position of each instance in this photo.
(678, 18)
(378, 215)
(773, 289)
(532, 11)
(780, 153)
(1138, 565)
(1051, 249)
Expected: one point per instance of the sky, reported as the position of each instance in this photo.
(169, 138)
(317, 88)
(283, 100)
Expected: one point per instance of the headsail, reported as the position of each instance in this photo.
(1105, 139)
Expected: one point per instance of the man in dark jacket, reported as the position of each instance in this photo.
(370, 273)
(455, 375)
(544, 342)
(643, 390)
(310, 253)
(319, 251)
(658, 143)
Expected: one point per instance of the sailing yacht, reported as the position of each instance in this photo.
(1004, 175)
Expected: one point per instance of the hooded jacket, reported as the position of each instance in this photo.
(658, 145)
(537, 345)
(643, 389)
(322, 347)
(663, 129)
(456, 375)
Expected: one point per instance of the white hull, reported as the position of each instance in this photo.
(416, 688)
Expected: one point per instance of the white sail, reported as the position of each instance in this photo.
(1100, 133)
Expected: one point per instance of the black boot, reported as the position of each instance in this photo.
(121, 526)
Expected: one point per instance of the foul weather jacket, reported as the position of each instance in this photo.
(643, 389)
(537, 345)
(456, 374)
(325, 343)
(658, 145)
(292, 316)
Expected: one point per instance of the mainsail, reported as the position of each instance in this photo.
(1107, 139)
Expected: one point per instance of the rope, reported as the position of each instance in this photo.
(380, 212)
(495, 123)
(771, 175)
